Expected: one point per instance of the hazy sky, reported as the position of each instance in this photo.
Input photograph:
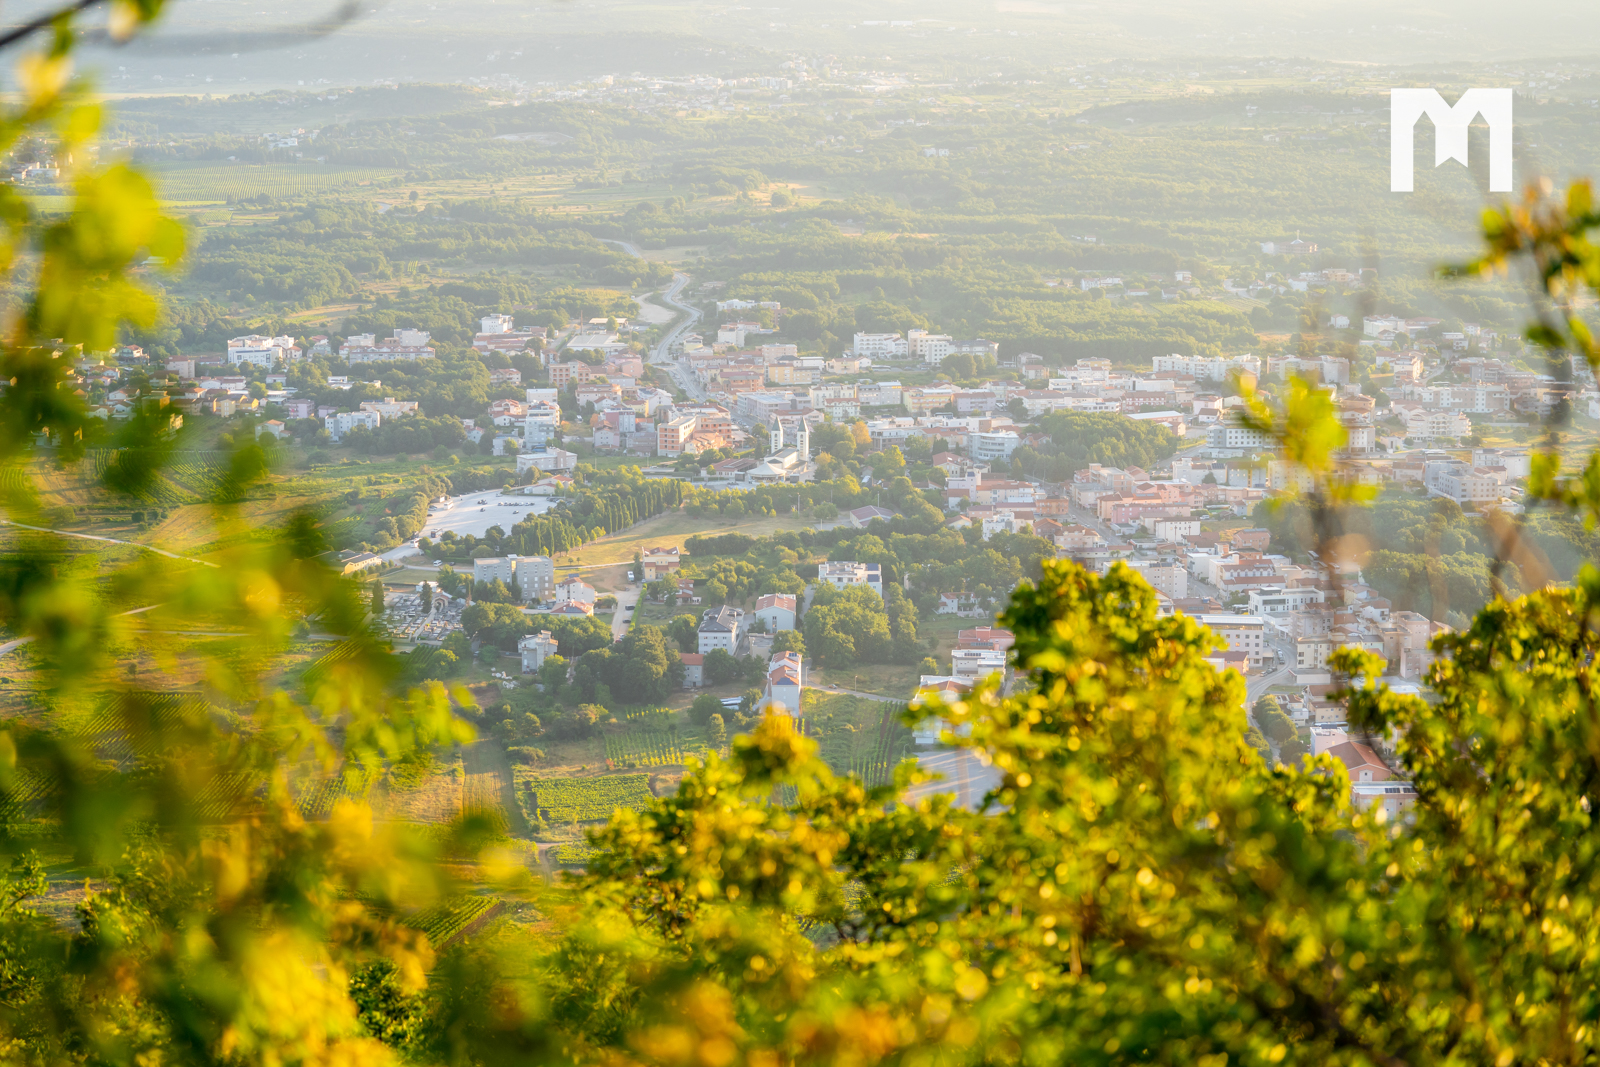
(250, 45)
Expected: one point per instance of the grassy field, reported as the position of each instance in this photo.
(942, 630)
(189, 182)
(890, 680)
(671, 529)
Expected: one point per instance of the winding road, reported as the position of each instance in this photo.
(669, 296)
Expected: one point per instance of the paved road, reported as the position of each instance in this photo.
(1257, 688)
(669, 297)
(964, 774)
(626, 598)
(108, 540)
(859, 693)
(691, 316)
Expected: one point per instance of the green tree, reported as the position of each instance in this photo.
(685, 631)
(848, 626)
(649, 670)
(705, 705)
(1275, 723)
(720, 667)
(377, 598)
(888, 464)
(789, 641)
(716, 733)
(553, 674)
(386, 1010)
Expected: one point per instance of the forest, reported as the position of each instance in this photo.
(884, 218)
(1424, 553)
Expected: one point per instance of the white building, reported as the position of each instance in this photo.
(842, 573)
(1427, 424)
(1222, 436)
(928, 347)
(777, 610)
(1517, 462)
(533, 575)
(386, 351)
(1174, 530)
(989, 446)
(541, 421)
(1461, 483)
(880, 345)
(1207, 368)
(785, 682)
(535, 649)
(971, 664)
(1282, 601)
(537, 576)
(549, 461)
(260, 351)
(879, 394)
(1240, 633)
(720, 628)
(574, 590)
(495, 324)
(342, 422)
(1170, 579)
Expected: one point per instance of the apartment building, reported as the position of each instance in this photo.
(720, 628)
(1461, 483)
(986, 447)
(1206, 368)
(1240, 633)
(1169, 578)
(341, 423)
(929, 347)
(1237, 437)
(260, 351)
(880, 345)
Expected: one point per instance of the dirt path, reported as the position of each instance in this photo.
(488, 778)
(108, 540)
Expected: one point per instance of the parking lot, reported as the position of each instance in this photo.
(476, 512)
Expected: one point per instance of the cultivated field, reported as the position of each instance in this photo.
(221, 182)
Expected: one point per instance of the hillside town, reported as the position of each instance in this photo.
(761, 405)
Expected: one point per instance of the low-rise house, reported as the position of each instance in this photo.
(971, 664)
(777, 610)
(784, 683)
(842, 573)
(535, 649)
(660, 562)
(576, 590)
(693, 667)
(960, 605)
(1363, 764)
(992, 638)
(860, 517)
